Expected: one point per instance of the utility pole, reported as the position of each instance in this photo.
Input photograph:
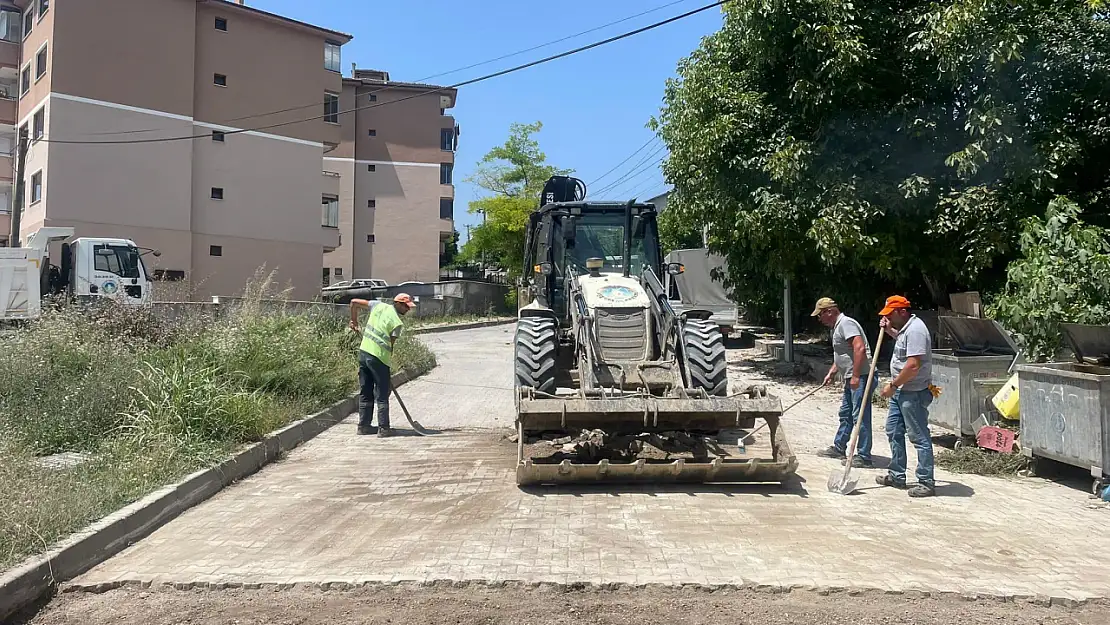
(787, 322)
(20, 188)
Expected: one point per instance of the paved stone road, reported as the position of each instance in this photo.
(355, 509)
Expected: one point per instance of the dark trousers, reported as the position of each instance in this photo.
(373, 379)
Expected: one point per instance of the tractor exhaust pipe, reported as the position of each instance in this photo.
(628, 238)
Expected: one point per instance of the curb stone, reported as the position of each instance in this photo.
(30, 580)
(852, 592)
(464, 326)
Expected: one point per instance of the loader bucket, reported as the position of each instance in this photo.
(764, 456)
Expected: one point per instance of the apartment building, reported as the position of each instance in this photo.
(117, 88)
(390, 182)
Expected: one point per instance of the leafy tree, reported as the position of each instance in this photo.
(450, 250)
(513, 175)
(868, 147)
(1063, 275)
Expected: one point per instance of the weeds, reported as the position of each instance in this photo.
(980, 461)
(150, 402)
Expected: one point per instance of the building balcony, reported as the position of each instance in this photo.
(5, 223)
(9, 111)
(7, 171)
(446, 227)
(9, 54)
(330, 238)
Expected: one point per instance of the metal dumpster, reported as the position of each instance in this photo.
(1065, 406)
(968, 373)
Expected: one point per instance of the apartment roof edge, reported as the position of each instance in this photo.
(344, 37)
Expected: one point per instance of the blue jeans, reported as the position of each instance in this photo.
(909, 416)
(849, 411)
(373, 380)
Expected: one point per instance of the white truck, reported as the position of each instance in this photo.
(695, 287)
(88, 268)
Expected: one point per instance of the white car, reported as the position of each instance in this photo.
(368, 283)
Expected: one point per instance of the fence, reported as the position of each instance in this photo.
(435, 299)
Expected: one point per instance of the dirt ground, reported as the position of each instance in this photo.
(480, 604)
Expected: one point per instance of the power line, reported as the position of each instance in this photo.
(426, 78)
(633, 171)
(638, 150)
(636, 176)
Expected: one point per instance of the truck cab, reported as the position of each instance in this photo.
(98, 267)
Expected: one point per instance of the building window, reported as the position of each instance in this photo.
(330, 211)
(371, 203)
(23, 132)
(331, 108)
(332, 59)
(373, 97)
(446, 208)
(447, 139)
(373, 133)
(219, 80)
(10, 25)
(221, 24)
(445, 171)
(327, 276)
(28, 21)
(371, 168)
(39, 123)
(217, 193)
(215, 250)
(218, 135)
(36, 186)
(25, 81)
(40, 63)
(44, 6)
(338, 272)
(169, 275)
(369, 238)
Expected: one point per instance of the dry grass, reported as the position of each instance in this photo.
(150, 402)
(981, 462)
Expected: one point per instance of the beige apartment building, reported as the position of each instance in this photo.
(117, 88)
(390, 180)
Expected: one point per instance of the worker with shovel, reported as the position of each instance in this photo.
(851, 354)
(375, 355)
(910, 393)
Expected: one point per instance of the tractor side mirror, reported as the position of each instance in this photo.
(675, 269)
(638, 225)
(570, 229)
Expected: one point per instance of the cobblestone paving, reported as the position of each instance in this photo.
(354, 509)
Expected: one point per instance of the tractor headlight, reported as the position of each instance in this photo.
(545, 268)
(675, 268)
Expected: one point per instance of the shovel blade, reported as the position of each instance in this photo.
(841, 483)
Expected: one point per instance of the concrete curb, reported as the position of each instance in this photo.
(464, 326)
(917, 592)
(30, 580)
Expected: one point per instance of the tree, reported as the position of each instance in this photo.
(513, 174)
(868, 147)
(1063, 275)
(450, 250)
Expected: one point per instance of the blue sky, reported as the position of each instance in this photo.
(594, 105)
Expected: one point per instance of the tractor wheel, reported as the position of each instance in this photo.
(706, 367)
(536, 340)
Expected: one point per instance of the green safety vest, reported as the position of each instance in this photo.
(379, 327)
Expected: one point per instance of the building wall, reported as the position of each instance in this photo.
(406, 222)
(143, 69)
(343, 257)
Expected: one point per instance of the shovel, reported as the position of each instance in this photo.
(419, 429)
(844, 483)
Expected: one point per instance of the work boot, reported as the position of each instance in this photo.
(859, 463)
(365, 430)
(384, 432)
(922, 490)
(886, 480)
(831, 452)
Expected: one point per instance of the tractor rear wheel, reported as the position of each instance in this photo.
(536, 341)
(704, 350)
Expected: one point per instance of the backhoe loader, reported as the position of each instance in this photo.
(611, 384)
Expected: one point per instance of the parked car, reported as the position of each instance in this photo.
(366, 283)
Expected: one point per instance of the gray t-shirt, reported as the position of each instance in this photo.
(843, 332)
(914, 340)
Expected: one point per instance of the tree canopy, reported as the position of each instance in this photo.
(869, 147)
(513, 175)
